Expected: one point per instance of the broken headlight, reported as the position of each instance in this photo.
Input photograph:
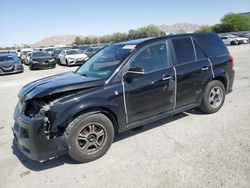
(33, 107)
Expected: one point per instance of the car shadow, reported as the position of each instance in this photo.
(148, 127)
(196, 111)
(65, 159)
(39, 166)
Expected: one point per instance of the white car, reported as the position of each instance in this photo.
(241, 40)
(72, 57)
(229, 40)
(27, 58)
(24, 51)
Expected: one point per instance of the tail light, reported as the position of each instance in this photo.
(231, 60)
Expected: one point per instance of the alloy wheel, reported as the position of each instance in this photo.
(215, 97)
(91, 138)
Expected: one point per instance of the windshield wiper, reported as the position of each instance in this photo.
(84, 75)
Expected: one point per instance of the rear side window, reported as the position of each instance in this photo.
(211, 44)
(184, 50)
(199, 54)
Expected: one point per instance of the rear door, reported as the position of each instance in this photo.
(153, 92)
(192, 69)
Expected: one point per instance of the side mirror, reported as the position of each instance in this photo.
(133, 73)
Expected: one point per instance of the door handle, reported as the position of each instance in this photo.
(204, 68)
(166, 77)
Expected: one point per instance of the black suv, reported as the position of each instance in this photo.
(124, 85)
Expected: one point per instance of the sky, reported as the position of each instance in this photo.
(28, 21)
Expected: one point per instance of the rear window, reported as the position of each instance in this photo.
(184, 50)
(211, 44)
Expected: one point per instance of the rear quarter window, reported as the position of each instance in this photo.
(184, 50)
(211, 44)
(199, 54)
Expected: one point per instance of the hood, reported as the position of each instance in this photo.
(76, 56)
(57, 84)
(241, 38)
(42, 58)
(8, 63)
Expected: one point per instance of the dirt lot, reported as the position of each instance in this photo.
(188, 150)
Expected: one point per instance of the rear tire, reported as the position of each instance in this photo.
(89, 137)
(213, 97)
(233, 43)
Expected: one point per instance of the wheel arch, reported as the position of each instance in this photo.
(223, 79)
(94, 110)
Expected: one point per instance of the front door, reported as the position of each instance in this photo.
(153, 92)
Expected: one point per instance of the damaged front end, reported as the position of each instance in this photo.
(42, 113)
(36, 108)
(32, 130)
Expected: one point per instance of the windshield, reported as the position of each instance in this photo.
(6, 58)
(40, 54)
(104, 62)
(83, 47)
(71, 52)
(56, 52)
(49, 49)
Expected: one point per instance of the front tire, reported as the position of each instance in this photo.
(89, 137)
(59, 62)
(67, 63)
(213, 97)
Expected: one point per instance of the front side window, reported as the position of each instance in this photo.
(184, 50)
(151, 58)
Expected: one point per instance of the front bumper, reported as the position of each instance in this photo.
(43, 65)
(11, 70)
(76, 62)
(32, 141)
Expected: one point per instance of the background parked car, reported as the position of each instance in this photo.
(41, 60)
(55, 54)
(246, 35)
(10, 64)
(27, 58)
(229, 40)
(72, 57)
(241, 40)
(92, 50)
(24, 51)
(49, 50)
(83, 47)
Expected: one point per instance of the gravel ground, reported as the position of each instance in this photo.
(188, 150)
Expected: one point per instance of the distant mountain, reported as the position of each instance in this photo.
(55, 40)
(69, 39)
(247, 14)
(179, 27)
